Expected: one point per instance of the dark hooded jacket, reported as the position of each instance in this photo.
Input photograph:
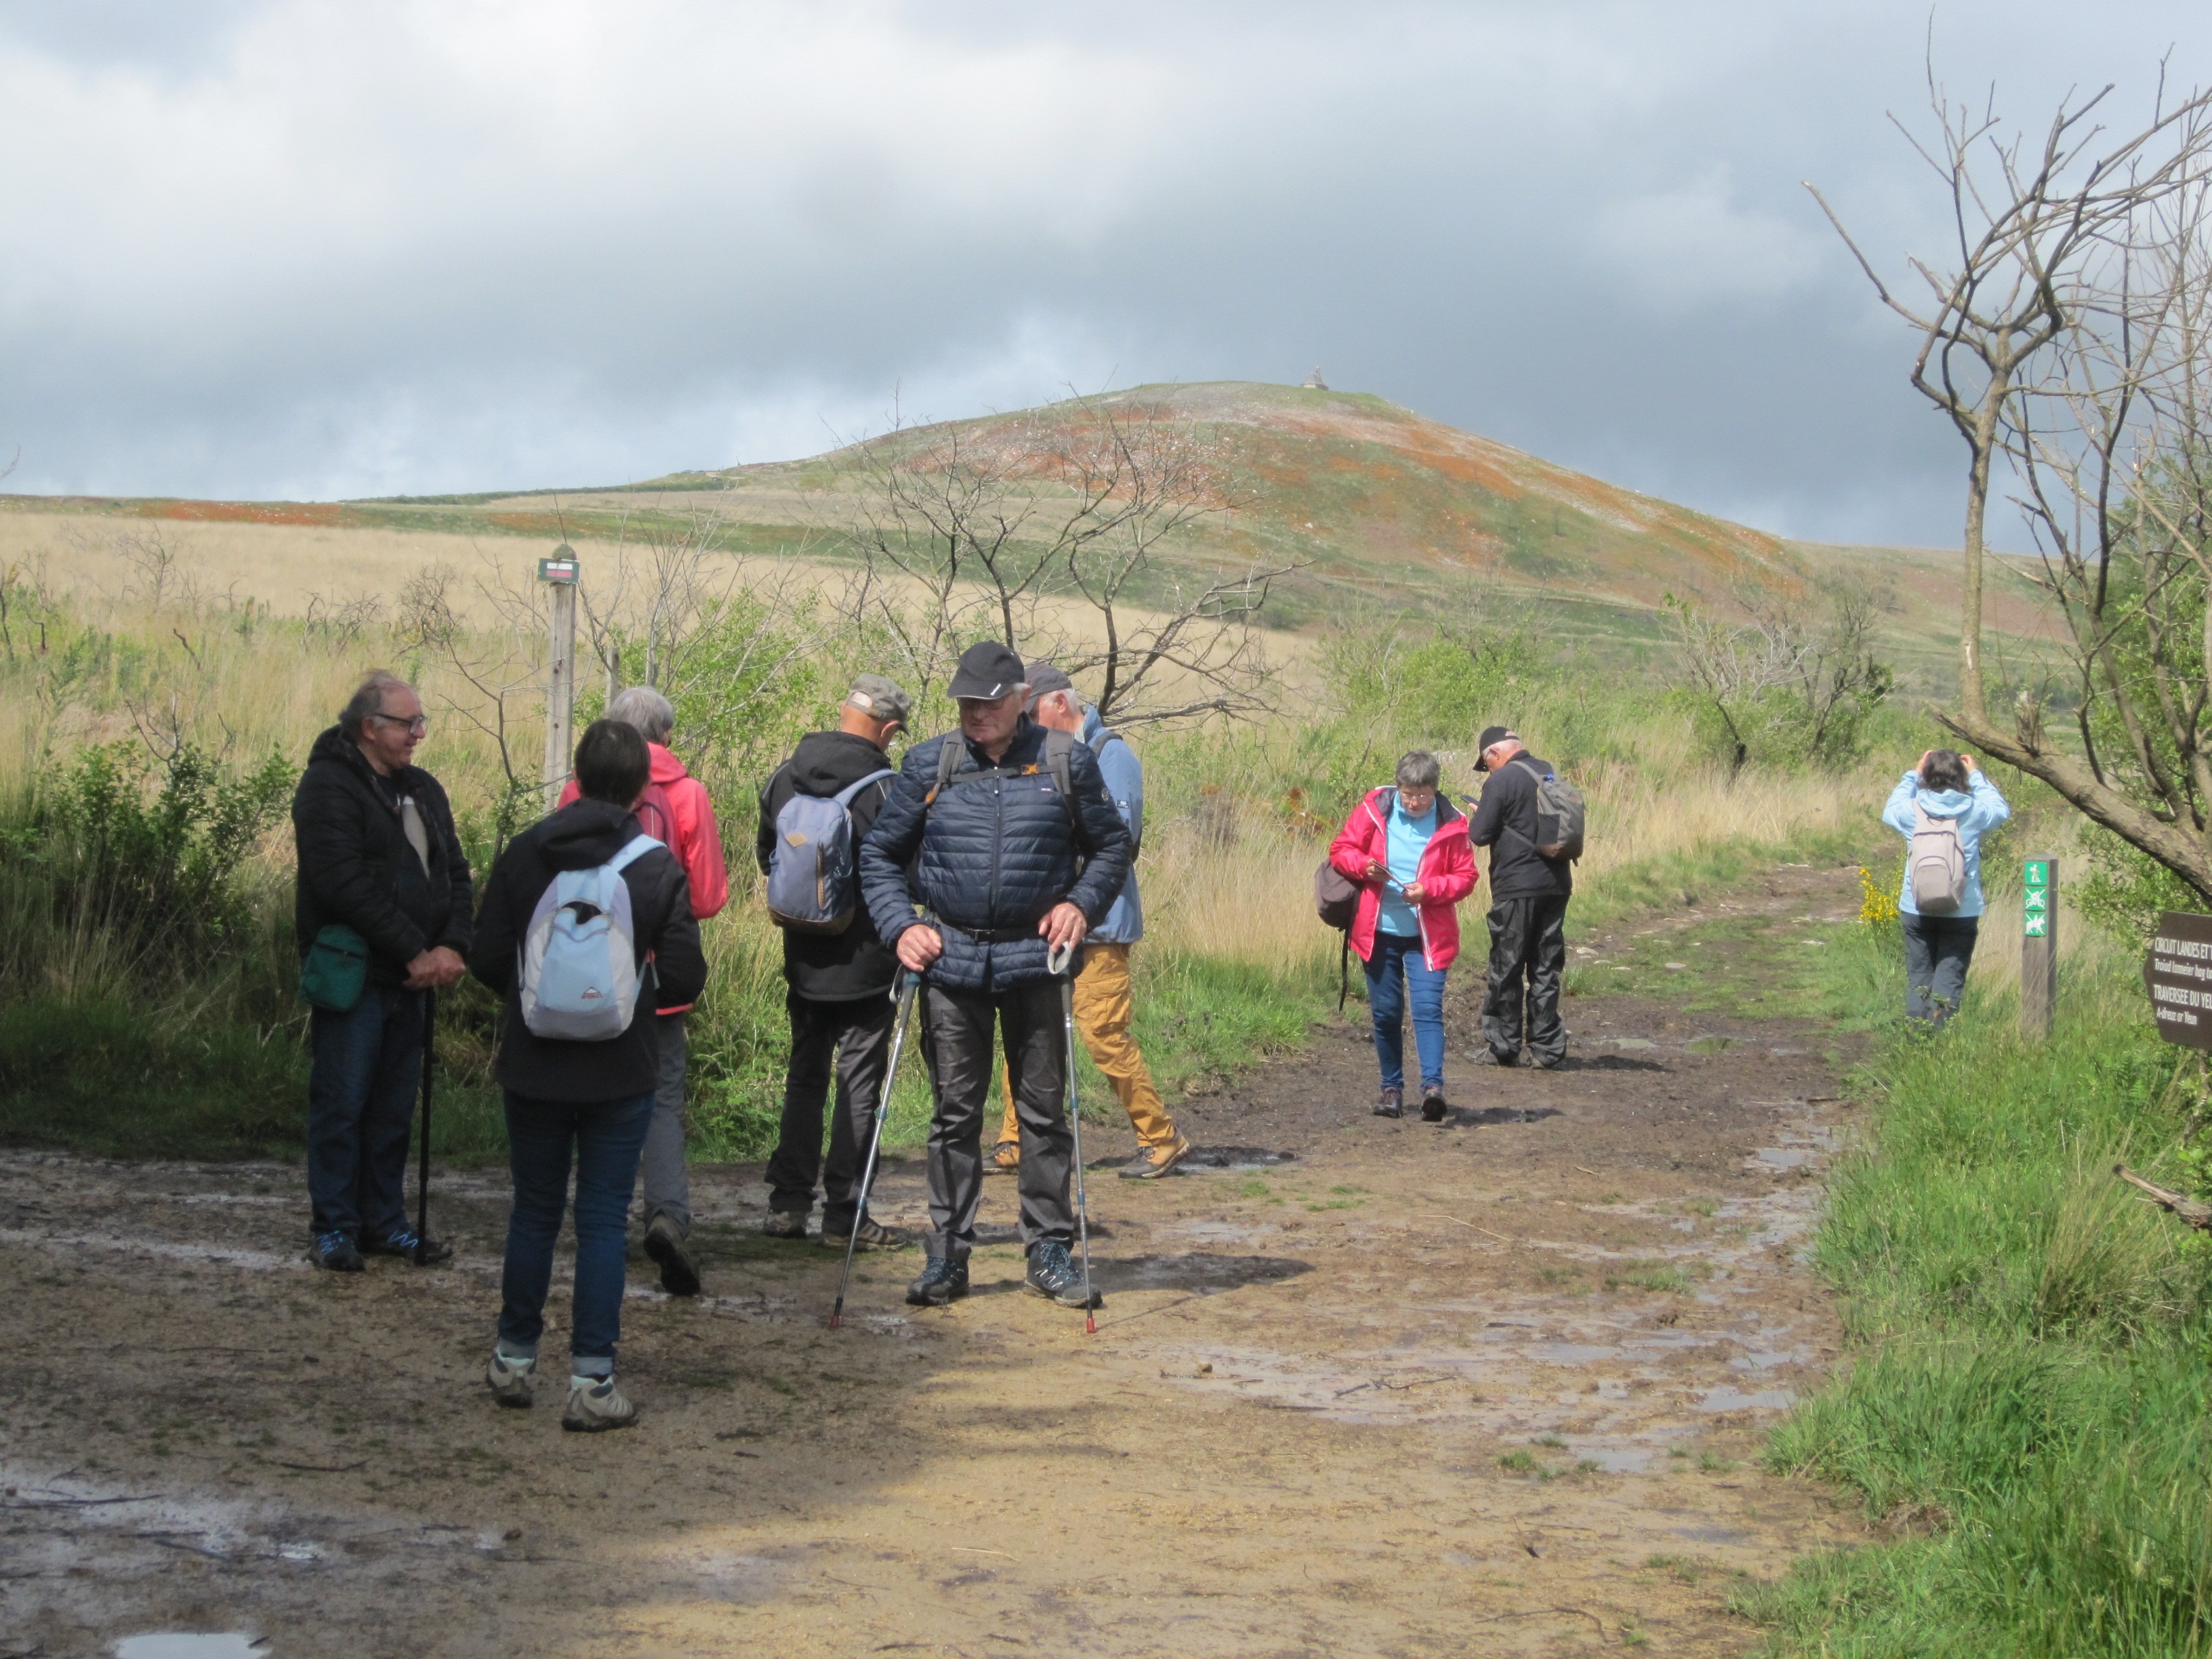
(355, 866)
(578, 837)
(995, 853)
(830, 966)
(1504, 821)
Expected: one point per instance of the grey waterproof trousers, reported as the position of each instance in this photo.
(1527, 955)
(667, 1175)
(1938, 950)
(957, 1029)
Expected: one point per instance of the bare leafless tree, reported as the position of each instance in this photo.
(2065, 338)
(1069, 534)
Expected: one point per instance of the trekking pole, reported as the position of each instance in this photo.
(422, 1163)
(1062, 963)
(911, 982)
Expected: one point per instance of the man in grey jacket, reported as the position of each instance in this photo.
(1105, 1003)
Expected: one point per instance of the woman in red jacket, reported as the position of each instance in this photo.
(1407, 848)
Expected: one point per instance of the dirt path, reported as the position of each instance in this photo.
(1360, 1387)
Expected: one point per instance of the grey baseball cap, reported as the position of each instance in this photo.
(1045, 679)
(874, 693)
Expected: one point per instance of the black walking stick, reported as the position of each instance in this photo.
(909, 982)
(1062, 963)
(422, 1163)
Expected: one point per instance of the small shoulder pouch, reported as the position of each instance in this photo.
(335, 970)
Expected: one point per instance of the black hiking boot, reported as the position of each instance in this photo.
(335, 1253)
(401, 1241)
(1432, 1105)
(1487, 1055)
(1054, 1277)
(939, 1283)
(1391, 1102)
(663, 1245)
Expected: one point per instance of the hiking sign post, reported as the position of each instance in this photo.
(560, 574)
(2177, 973)
(2038, 946)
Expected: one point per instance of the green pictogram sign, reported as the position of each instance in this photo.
(2038, 927)
(2036, 873)
(2035, 897)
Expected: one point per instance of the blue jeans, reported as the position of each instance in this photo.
(361, 1106)
(606, 1138)
(1397, 965)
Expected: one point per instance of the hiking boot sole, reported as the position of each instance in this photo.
(934, 1298)
(679, 1274)
(598, 1424)
(1070, 1299)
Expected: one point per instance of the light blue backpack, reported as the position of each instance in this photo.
(813, 875)
(579, 958)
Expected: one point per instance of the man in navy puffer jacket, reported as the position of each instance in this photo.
(1006, 872)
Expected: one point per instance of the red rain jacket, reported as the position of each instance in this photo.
(692, 836)
(1447, 873)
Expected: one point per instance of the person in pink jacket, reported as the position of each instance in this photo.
(1407, 848)
(675, 812)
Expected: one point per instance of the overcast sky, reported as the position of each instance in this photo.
(283, 248)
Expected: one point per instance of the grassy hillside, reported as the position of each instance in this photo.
(1383, 509)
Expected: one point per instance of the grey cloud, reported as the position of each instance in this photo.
(474, 247)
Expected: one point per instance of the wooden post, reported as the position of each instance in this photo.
(560, 574)
(2038, 946)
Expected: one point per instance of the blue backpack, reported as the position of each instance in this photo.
(813, 874)
(579, 956)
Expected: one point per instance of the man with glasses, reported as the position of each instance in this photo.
(381, 876)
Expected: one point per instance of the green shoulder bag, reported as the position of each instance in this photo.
(335, 969)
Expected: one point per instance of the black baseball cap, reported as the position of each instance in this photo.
(988, 670)
(1492, 735)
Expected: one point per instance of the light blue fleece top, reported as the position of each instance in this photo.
(1125, 782)
(1409, 838)
(1978, 809)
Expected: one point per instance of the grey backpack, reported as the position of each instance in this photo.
(813, 876)
(1937, 862)
(1559, 813)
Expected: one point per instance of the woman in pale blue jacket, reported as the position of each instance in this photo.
(1938, 948)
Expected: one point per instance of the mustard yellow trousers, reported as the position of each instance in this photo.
(1104, 1006)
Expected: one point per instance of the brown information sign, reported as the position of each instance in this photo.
(2179, 972)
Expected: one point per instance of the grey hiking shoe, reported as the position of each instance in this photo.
(595, 1405)
(938, 1284)
(663, 1245)
(334, 1252)
(1054, 1277)
(1391, 1102)
(1487, 1055)
(513, 1382)
(873, 1236)
(784, 1223)
(1432, 1105)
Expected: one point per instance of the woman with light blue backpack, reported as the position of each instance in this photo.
(1942, 807)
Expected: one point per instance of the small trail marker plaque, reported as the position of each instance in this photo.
(2038, 946)
(2178, 973)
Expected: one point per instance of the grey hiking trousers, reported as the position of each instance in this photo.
(957, 1029)
(667, 1177)
(1938, 950)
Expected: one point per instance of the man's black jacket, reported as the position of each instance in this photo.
(355, 867)
(582, 834)
(1504, 821)
(997, 852)
(830, 966)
